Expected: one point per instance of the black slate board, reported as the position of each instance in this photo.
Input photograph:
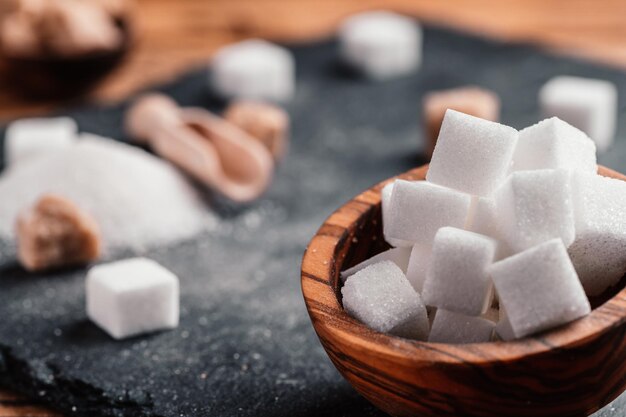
(245, 346)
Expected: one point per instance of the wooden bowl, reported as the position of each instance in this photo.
(570, 371)
(54, 77)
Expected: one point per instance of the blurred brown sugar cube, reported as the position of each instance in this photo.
(54, 233)
(472, 100)
(263, 121)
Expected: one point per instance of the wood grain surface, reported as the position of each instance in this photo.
(175, 35)
(571, 371)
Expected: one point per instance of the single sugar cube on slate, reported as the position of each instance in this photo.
(381, 298)
(133, 296)
(418, 209)
(381, 44)
(599, 249)
(473, 100)
(539, 288)
(28, 137)
(457, 278)
(386, 212)
(253, 69)
(399, 256)
(536, 206)
(454, 328)
(418, 266)
(588, 104)
(472, 155)
(553, 143)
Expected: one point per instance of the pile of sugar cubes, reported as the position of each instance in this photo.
(507, 236)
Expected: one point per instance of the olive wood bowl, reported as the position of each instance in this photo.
(573, 370)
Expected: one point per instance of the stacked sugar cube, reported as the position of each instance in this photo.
(518, 217)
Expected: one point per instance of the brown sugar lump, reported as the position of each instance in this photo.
(472, 100)
(54, 233)
(266, 122)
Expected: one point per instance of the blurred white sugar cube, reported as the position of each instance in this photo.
(386, 212)
(382, 298)
(418, 209)
(454, 328)
(381, 44)
(457, 278)
(539, 288)
(483, 219)
(419, 262)
(133, 296)
(399, 256)
(536, 206)
(588, 104)
(253, 69)
(553, 143)
(472, 155)
(599, 249)
(27, 137)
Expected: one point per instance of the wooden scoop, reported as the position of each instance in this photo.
(208, 148)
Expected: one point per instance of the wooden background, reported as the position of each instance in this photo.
(177, 34)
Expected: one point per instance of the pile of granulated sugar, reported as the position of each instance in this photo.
(138, 200)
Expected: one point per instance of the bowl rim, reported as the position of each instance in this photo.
(320, 275)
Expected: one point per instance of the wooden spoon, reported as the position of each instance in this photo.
(570, 371)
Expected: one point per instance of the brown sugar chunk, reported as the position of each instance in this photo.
(263, 121)
(54, 233)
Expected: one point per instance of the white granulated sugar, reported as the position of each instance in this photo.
(472, 155)
(536, 206)
(382, 298)
(553, 143)
(138, 200)
(599, 249)
(399, 256)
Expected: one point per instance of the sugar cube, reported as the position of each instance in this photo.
(417, 268)
(382, 298)
(27, 137)
(503, 328)
(418, 209)
(253, 69)
(539, 288)
(399, 256)
(457, 278)
(381, 44)
(599, 249)
(472, 155)
(55, 233)
(588, 104)
(264, 121)
(450, 327)
(536, 206)
(553, 143)
(483, 219)
(133, 296)
(473, 100)
(386, 212)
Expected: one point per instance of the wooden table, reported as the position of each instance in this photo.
(178, 34)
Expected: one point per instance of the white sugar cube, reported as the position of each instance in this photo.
(381, 44)
(418, 266)
(553, 143)
(503, 328)
(599, 250)
(386, 212)
(472, 155)
(457, 278)
(588, 104)
(536, 206)
(131, 297)
(450, 327)
(253, 69)
(399, 256)
(27, 137)
(419, 209)
(539, 288)
(382, 298)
